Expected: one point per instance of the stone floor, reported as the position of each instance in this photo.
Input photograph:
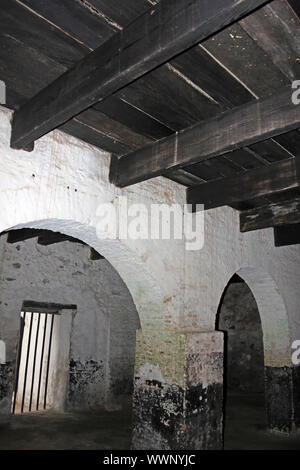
(98, 429)
(245, 426)
(88, 430)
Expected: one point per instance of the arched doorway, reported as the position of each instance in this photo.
(156, 343)
(90, 353)
(257, 369)
(238, 317)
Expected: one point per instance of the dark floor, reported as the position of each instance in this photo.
(96, 429)
(88, 430)
(245, 426)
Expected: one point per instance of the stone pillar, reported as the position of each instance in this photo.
(204, 390)
(279, 398)
(158, 402)
(178, 394)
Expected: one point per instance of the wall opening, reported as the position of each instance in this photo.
(37, 357)
(244, 383)
(33, 361)
(92, 353)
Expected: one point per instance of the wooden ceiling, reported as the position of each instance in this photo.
(246, 62)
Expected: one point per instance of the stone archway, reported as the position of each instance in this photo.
(142, 287)
(276, 345)
(158, 347)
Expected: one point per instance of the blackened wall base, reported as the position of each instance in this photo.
(279, 398)
(158, 420)
(296, 395)
(6, 390)
(188, 416)
(86, 384)
(204, 429)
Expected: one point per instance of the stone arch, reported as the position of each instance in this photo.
(154, 351)
(273, 315)
(144, 291)
(277, 346)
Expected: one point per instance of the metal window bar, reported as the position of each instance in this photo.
(48, 362)
(41, 364)
(34, 348)
(34, 360)
(27, 360)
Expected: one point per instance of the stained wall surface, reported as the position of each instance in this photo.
(60, 185)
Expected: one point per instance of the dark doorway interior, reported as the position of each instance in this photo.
(244, 400)
(245, 423)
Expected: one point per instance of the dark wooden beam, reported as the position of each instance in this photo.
(14, 236)
(246, 124)
(287, 235)
(46, 307)
(45, 237)
(279, 213)
(168, 28)
(249, 185)
(49, 238)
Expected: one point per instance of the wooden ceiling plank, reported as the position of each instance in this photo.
(278, 213)
(184, 177)
(212, 77)
(251, 184)
(244, 158)
(123, 12)
(231, 51)
(133, 117)
(113, 129)
(171, 28)
(74, 18)
(203, 171)
(18, 61)
(170, 98)
(242, 126)
(244, 59)
(285, 235)
(290, 141)
(94, 137)
(270, 151)
(18, 22)
(275, 28)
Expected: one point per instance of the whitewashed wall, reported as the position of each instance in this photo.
(59, 186)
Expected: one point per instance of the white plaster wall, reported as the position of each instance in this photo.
(103, 327)
(227, 251)
(60, 185)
